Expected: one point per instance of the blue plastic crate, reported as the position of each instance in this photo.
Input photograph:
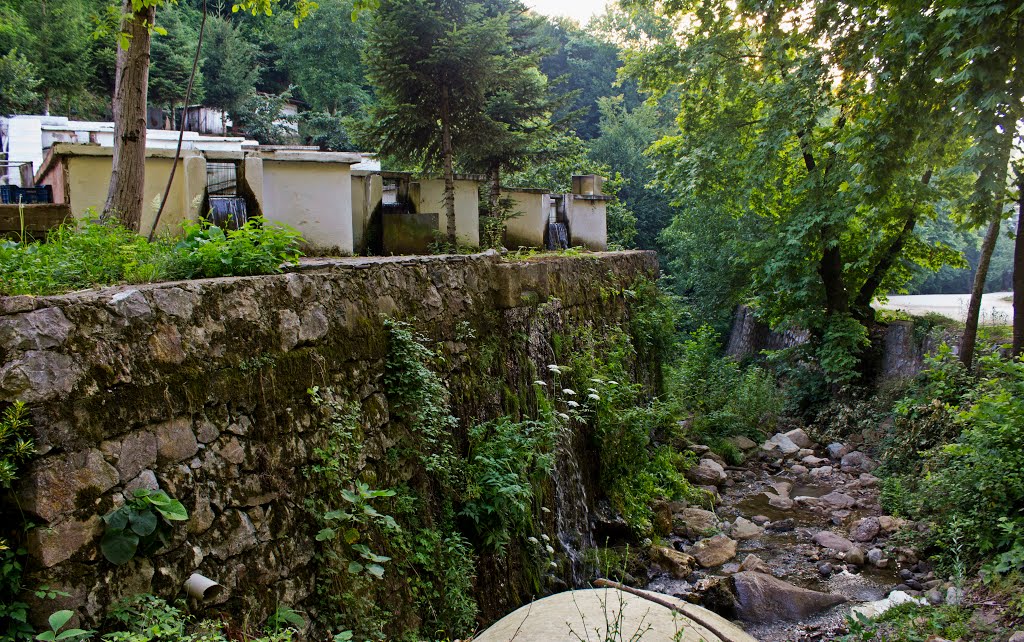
(32, 195)
(8, 193)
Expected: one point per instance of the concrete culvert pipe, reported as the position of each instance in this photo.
(576, 614)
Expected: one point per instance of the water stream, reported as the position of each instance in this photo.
(572, 515)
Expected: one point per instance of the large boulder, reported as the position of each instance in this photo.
(707, 472)
(828, 539)
(782, 443)
(865, 530)
(800, 438)
(763, 598)
(743, 528)
(741, 442)
(678, 564)
(714, 551)
(837, 500)
(694, 522)
(857, 462)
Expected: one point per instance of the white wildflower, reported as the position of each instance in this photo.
(572, 404)
(550, 550)
(568, 391)
(539, 383)
(532, 540)
(594, 397)
(544, 536)
(563, 416)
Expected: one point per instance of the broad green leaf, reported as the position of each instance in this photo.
(143, 522)
(59, 619)
(119, 546)
(173, 511)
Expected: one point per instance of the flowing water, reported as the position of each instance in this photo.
(228, 211)
(572, 515)
(558, 236)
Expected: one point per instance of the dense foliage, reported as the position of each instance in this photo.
(90, 253)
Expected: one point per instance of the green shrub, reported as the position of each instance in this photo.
(82, 255)
(975, 485)
(145, 618)
(507, 460)
(723, 398)
(257, 247)
(627, 428)
(90, 253)
(911, 622)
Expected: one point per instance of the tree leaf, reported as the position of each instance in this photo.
(354, 567)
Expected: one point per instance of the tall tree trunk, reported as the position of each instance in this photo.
(494, 195)
(1018, 270)
(127, 178)
(837, 297)
(449, 171)
(970, 337)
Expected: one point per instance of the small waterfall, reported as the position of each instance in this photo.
(558, 236)
(572, 515)
(228, 211)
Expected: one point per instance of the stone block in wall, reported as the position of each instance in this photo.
(58, 542)
(175, 440)
(59, 485)
(132, 453)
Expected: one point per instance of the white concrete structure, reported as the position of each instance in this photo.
(530, 225)
(312, 192)
(586, 217)
(427, 195)
(80, 176)
(27, 138)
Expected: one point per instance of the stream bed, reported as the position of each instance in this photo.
(808, 516)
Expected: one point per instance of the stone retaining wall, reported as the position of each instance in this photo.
(200, 388)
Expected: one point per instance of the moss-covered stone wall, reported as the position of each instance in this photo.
(200, 389)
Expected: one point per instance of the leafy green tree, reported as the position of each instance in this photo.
(821, 148)
(229, 67)
(18, 83)
(260, 117)
(432, 64)
(583, 67)
(323, 60)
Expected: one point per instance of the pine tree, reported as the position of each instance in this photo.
(171, 59)
(519, 102)
(432, 64)
(229, 67)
